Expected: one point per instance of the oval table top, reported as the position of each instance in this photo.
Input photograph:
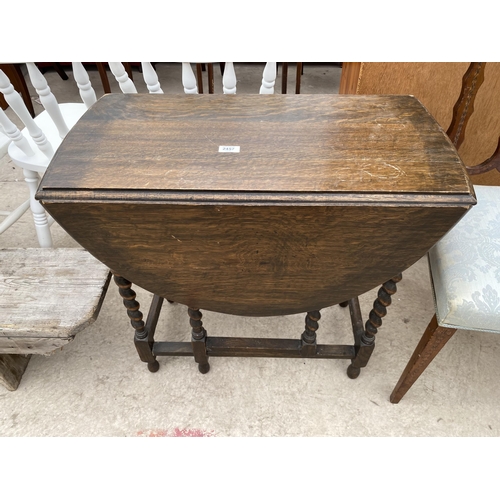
(324, 197)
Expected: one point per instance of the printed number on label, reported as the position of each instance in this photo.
(229, 149)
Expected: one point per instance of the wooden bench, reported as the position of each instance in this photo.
(47, 295)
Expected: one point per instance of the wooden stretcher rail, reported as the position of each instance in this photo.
(255, 347)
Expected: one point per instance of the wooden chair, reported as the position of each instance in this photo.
(284, 77)
(192, 82)
(464, 265)
(47, 295)
(32, 148)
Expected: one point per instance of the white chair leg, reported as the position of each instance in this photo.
(13, 216)
(39, 214)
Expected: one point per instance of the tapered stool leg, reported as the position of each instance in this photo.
(432, 341)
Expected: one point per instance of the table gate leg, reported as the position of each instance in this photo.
(141, 337)
(199, 340)
(308, 338)
(366, 343)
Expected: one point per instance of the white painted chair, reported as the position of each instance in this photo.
(32, 148)
(189, 80)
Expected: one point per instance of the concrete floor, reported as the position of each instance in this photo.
(97, 386)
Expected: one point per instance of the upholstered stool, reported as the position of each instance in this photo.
(465, 272)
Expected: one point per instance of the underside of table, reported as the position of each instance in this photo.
(202, 347)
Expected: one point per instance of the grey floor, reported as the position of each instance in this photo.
(97, 386)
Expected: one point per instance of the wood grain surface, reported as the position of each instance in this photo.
(483, 128)
(47, 295)
(298, 143)
(256, 260)
(330, 196)
(437, 86)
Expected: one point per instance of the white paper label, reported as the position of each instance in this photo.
(229, 149)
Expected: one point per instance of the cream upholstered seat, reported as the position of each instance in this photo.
(465, 274)
(465, 268)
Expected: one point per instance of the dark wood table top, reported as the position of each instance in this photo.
(328, 196)
(300, 144)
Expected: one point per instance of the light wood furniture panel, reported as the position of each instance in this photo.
(437, 86)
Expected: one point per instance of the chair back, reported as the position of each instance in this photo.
(191, 83)
(39, 138)
(33, 147)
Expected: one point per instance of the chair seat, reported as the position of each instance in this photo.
(465, 267)
(71, 112)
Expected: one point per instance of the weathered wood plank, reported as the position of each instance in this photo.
(47, 295)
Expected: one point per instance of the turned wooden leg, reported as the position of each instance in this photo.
(12, 368)
(308, 338)
(210, 71)
(284, 77)
(433, 340)
(141, 337)
(104, 77)
(199, 78)
(39, 214)
(367, 341)
(297, 79)
(199, 340)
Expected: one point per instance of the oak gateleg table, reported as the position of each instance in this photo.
(256, 205)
